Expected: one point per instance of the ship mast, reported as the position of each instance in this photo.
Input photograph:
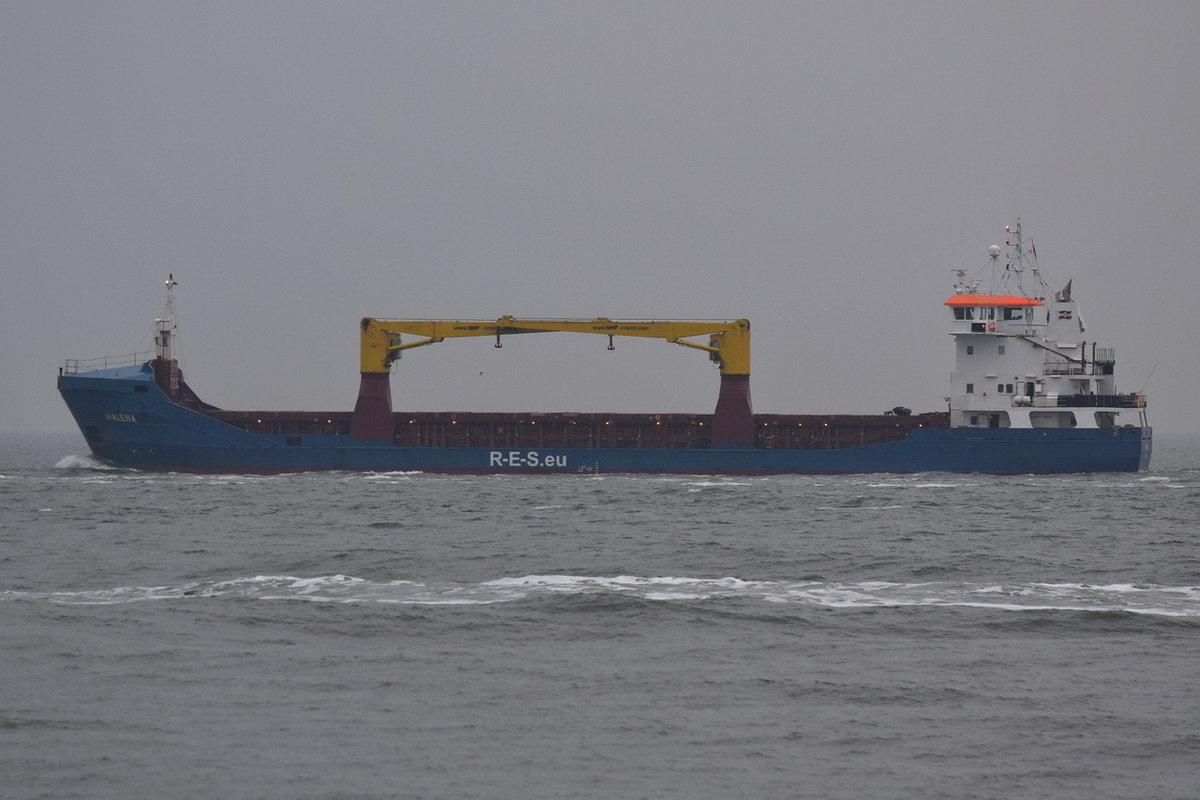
(1012, 280)
(164, 339)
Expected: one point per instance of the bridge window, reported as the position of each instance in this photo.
(1014, 313)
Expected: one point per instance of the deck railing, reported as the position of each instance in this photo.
(1102, 364)
(75, 365)
(1100, 400)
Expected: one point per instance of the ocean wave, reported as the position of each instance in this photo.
(80, 463)
(1172, 601)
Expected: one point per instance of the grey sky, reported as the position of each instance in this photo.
(818, 168)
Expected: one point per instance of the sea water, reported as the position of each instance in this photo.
(379, 635)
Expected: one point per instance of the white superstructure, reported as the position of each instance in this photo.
(1022, 359)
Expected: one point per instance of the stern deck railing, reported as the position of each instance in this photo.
(1100, 400)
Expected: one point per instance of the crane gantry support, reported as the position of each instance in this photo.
(728, 345)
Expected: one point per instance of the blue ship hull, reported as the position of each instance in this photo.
(128, 421)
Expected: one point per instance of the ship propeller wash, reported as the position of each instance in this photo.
(1029, 394)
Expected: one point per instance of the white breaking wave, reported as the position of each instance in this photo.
(1173, 601)
(82, 462)
(721, 484)
(389, 475)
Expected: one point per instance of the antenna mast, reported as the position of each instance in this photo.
(1018, 259)
(164, 339)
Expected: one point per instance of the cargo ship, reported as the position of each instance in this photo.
(1028, 394)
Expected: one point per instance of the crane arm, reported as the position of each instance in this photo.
(728, 340)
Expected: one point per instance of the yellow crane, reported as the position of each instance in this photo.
(728, 340)
(727, 343)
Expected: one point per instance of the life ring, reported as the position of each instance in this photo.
(991, 327)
